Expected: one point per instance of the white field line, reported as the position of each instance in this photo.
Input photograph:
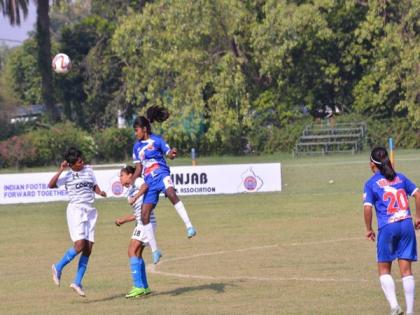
(348, 162)
(154, 269)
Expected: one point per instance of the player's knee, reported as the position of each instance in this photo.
(79, 246)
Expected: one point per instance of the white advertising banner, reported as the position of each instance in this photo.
(188, 180)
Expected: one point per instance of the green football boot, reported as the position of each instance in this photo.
(137, 292)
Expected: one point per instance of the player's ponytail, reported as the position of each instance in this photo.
(157, 113)
(380, 158)
(154, 113)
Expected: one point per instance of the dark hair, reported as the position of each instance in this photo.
(380, 158)
(154, 113)
(128, 169)
(72, 155)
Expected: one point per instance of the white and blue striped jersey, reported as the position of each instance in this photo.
(80, 185)
(132, 191)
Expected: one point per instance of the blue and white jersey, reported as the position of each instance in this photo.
(151, 154)
(80, 185)
(132, 191)
(389, 197)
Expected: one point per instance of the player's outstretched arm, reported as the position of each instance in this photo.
(370, 234)
(417, 218)
(142, 190)
(99, 191)
(122, 220)
(54, 179)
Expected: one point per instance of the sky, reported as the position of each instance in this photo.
(17, 33)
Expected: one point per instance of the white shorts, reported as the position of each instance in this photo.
(81, 220)
(138, 234)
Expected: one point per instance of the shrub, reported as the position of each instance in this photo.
(114, 144)
(17, 151)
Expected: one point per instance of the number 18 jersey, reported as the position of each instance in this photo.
(389, 197)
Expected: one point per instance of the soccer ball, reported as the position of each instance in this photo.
(61, 63)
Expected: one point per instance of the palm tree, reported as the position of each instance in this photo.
(12, 9)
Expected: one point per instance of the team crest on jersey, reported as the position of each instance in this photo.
(250, 182)
(75, 175)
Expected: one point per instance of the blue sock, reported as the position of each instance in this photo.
(81, 269)
(136, 272)
(68, 257)
(143, 273)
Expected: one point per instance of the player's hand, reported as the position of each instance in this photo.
(132, 201)
(417, 224)
(64, 165)
(119, 222)
(370, 235)
(103, 194)
(172, 154)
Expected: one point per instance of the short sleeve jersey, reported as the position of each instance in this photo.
(389, 197)
(151, 154)
(80, 185)
(132, 191)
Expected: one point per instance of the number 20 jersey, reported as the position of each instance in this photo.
(389, 197)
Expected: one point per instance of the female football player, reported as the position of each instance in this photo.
(138, 239)
(388, 191)
(80, 182)
(149, 153)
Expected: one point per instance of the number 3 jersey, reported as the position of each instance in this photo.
(389, 197)
(80, 185)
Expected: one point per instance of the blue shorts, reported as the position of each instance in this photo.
(157, 184)
(397, 241)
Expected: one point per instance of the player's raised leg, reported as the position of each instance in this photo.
(58, 267)
(147, 229)
(182, 212)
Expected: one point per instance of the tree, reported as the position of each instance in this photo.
(389, 50)
(192, 58)
(12, 9)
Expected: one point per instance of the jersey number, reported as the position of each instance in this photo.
(397, 201)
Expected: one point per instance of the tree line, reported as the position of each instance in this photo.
(230, 72)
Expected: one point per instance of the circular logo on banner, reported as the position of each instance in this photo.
(117, 188)
(250, 183)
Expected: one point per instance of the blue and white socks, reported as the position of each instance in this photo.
(182, 212)
(388, 286)
(81, 269)
(138, 272)
(409, 288)
(150, 235)
(68, 257)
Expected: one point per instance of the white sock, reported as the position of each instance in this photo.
(150, 235)
(179, 207)
(409, 286)
(388, 286)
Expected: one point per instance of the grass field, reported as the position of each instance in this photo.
(300, 251)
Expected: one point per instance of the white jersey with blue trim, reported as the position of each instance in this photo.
(80, 185)
(132, 191)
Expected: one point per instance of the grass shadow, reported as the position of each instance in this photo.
(216, 287)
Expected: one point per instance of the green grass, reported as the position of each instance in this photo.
(300, 251)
